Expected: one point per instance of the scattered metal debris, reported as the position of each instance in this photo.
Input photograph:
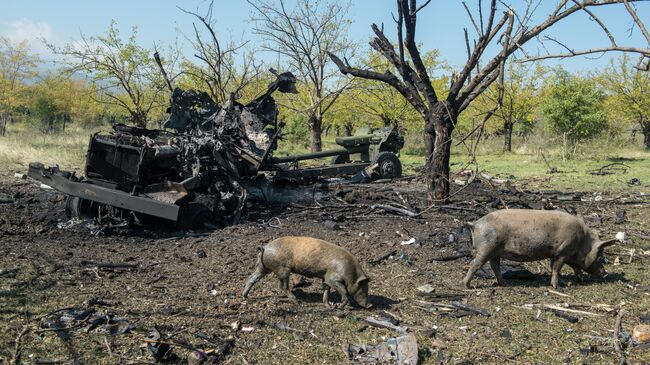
(398, 350)
(634, 181)
(611, 168)
(159, 349)
(203, 174)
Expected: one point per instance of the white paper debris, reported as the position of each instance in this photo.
(408, 242)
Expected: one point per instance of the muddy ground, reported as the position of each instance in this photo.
(68, 296)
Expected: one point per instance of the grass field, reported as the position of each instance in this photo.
(527, 166)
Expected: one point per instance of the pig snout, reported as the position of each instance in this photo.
(597, 269)
(361, 295)
(362, 301)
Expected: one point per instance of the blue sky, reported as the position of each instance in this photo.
(440, 25)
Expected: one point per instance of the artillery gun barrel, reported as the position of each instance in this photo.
(329, 153)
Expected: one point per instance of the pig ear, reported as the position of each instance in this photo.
(603, 244)
(363, 279)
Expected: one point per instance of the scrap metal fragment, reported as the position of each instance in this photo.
(398, 350)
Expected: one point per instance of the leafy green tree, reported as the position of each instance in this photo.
(628, 91)
(45, 112)
(573, 108)
(519, 100)
(126, 73)
(296, 131)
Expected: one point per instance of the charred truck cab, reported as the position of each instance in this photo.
(195, 172)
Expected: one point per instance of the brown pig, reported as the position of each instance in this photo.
(312, 257)
(530, 235)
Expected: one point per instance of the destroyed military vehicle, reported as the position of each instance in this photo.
(198, 171)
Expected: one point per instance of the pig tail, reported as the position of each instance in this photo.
(261, 249)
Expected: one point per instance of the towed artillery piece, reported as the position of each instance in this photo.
(201, 170)
(369, 154)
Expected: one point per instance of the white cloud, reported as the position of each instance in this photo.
(32, 32)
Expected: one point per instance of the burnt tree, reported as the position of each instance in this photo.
(506, 33)
(225, 71)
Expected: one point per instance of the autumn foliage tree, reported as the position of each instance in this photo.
(17, 66)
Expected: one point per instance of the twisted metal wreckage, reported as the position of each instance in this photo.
(208, 163)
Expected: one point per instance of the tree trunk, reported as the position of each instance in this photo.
(386, 120)
(337, 130)
(315, 125)
(645, 127)
(348, 129)
(326, 131)
(438, 129)
(139, 119)
(507, 135)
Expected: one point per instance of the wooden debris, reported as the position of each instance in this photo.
(385, 323)
(17, 342)
(466, 307)
(455, 256)
(392, 209)
(109, 265)
(568, 317)
(441, 296)
(558, 293)
(492, 179)
(617, 338)
(569, 310)
(383, 257)
(611, 168)
(456, 309)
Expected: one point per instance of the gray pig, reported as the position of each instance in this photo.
(530, 235)
(312, 257)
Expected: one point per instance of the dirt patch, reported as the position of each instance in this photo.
(188, 287)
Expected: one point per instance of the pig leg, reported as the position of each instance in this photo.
(577, 271)
(557, 268)
(326, 294)
(495, 264)
(339, 287)
(476, 264)
(259, 273)
(283, 276)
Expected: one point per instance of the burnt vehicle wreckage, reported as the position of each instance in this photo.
(208, 162)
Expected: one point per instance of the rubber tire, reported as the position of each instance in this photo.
(340, 159)
(76, 207)
(194, 216)
(389, 167)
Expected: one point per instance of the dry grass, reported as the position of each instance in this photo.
(23, 145)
